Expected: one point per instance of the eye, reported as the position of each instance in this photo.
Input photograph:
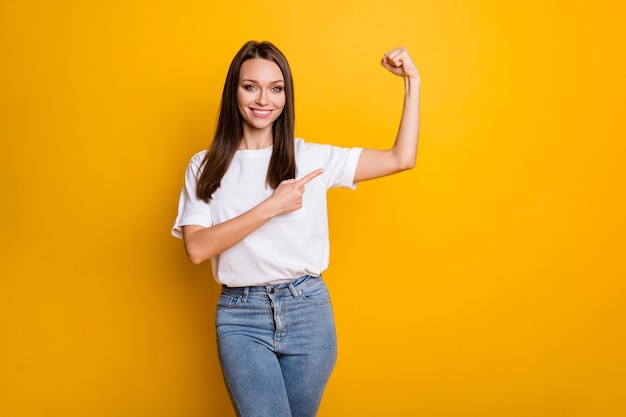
(277, 89)
(249, 87)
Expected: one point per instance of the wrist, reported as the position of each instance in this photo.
(412, 84)
(269, 208)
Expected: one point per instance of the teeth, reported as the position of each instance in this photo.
(261, 112)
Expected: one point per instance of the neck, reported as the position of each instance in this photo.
(256, 139)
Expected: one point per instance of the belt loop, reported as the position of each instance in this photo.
(293, 290)
(246, 291)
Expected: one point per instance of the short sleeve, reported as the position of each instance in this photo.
(339, 163)
(348, 159)
(191, 209)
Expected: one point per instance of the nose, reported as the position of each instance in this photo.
(262, 98)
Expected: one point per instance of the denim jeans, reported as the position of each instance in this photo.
(277, 347)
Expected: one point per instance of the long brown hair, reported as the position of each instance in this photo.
(229, 130)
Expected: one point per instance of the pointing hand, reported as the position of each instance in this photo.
(288, 194)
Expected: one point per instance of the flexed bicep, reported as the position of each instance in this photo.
(375, 163)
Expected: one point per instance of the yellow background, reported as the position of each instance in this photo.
(486, 282)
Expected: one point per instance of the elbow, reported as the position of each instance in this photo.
(404, 161)
(195, 255)
(196, 260)
(406, 164)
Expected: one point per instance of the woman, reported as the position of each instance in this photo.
(255, 205)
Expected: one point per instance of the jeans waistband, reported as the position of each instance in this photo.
(293, 286)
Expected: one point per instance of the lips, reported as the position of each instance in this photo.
(261, 113)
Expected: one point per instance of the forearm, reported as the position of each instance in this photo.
(202, 243)
(374, 163)
(405, 145)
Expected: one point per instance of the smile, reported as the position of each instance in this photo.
(260, 113)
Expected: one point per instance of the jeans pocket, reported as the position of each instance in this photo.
(316, 294)
(228, 301)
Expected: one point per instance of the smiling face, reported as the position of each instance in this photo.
(260, 94)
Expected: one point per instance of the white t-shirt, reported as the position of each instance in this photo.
(289, 245)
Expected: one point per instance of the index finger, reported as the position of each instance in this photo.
(308, 177)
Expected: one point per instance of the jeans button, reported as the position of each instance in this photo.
(271, 290)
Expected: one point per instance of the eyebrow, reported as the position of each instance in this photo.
(256, 82)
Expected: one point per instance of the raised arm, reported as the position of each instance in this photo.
(202, 243)
(375, 163)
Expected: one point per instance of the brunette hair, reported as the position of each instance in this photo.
(229, 130)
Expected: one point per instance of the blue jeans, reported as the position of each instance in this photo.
(277, 347)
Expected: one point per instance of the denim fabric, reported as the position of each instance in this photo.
(277, 347)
